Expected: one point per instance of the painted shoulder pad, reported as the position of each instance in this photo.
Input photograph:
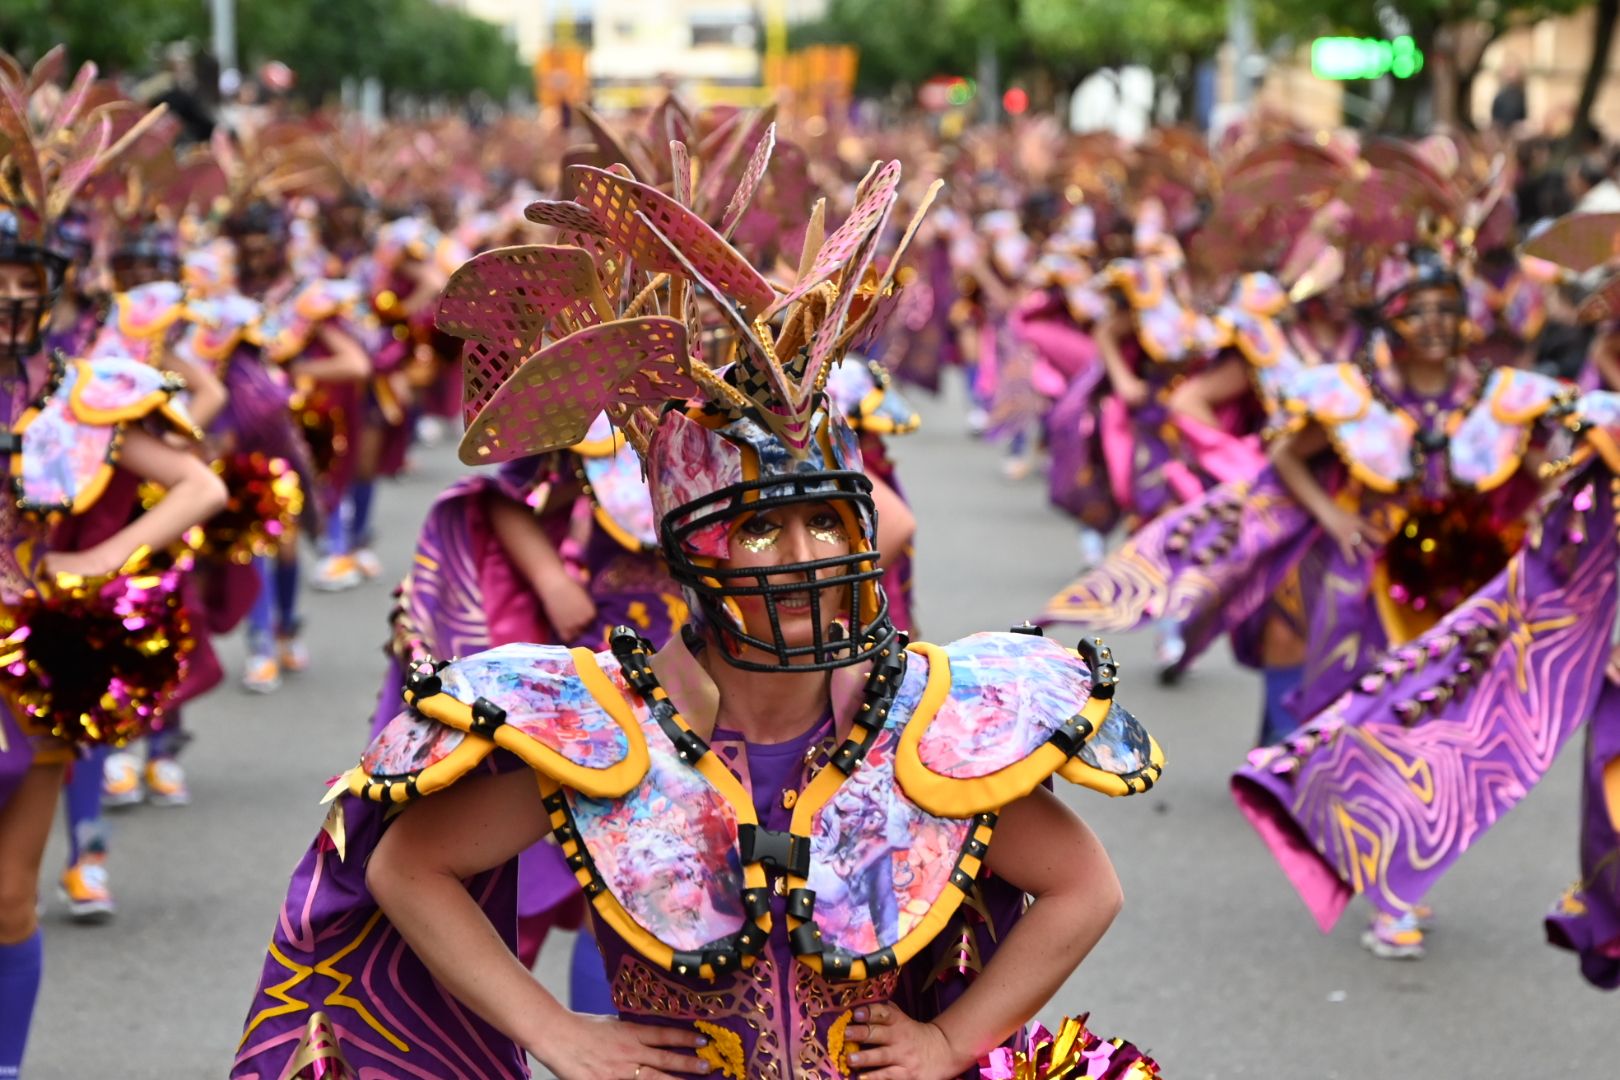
(1596, 415)
(1000, 713)
(217, 324)
(562, 711)
(287, 329)
(1373, 441)
(622, 505)
(1488, 446)
(138, 318)
(70, 439)
(863, 391)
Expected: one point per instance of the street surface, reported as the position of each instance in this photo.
(1214, 965)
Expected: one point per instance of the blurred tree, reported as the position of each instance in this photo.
(123, 35)
(418, 47)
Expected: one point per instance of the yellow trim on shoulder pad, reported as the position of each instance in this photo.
(89, 414)
(1499, 410)
(609, 783)
(1076, 771)
(436, 777)
(945, 796)
(156, 328)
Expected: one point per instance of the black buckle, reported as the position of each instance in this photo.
(1072, 735)
(1028, 628)
(423, 679)
(780, 851)
(1099, 659)
(486, 717)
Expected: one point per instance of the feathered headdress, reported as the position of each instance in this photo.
(645, 302)
(52, 141)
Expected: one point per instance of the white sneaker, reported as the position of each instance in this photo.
(1093, 547)
(121, 780)
(1394, 937)
(977, 421)
(166, 783)
(336, 573)
(366, 561)
(1169, 648)
(263, 675)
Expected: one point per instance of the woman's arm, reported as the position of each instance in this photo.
(1130, 387)
(896, 524)
(1290, 456)
(205, 392)
(416, 875)
(1199, 396)
(348, 362)
(568, 604)
(193, 494)
(1042, 847)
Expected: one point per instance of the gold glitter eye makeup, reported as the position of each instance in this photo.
(758, 534)
(828, 533)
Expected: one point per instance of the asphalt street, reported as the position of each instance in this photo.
(1214, 964)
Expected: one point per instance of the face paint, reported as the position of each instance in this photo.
(830, 534)
(757, 542)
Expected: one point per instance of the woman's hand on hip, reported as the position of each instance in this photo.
(584, 1047)
(893, 1046)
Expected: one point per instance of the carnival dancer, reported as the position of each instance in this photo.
(77, 450)
(307, 327)
(1383, 791)
(677, 783)
(401, 280)
(1398, 489)
(145, 321)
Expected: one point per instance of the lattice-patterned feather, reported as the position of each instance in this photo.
(610, 145)
(48, 68)
(867, 322)
(835, 255)
(722, 163)
(23, 157)
(73, 101)
(550, 401)
(565, 216)
(501, 303)
(758, 162)
(680, 164)
(624, 208)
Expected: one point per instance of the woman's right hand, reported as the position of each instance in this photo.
(583, 1047)
(1356, 537)
(568, 605)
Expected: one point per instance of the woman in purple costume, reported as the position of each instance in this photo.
(736, 806)
(1384, 790)
(77, 452)
(1398, 487)
(306, 337)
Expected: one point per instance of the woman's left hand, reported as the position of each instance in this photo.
(896, 1047)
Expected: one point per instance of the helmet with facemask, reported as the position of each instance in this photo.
(713, 373)
(55, 142)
